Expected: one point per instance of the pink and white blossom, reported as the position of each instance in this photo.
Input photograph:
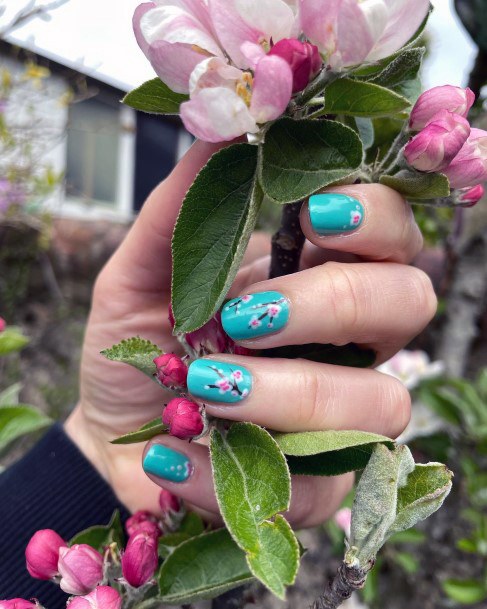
(435, 146)
(349, 32)
(81, 569)
(447, 97)
(273, 310)
(469, 167)
(223, 385)
(102, 597)
(343, 519)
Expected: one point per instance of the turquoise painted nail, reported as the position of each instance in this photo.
(334, 213)
(164, 462)
(255, 315)
(218, 381)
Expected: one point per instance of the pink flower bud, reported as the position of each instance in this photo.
(303, 57)
(17, 603)
(81, 569)
(171, 370)
(169, 503)
(143, 522)
(471, 196)
(209, 339)
(140, 559)
(183, 418)
(102, 597)
(3, 324)
(469, 167)
(456, 100)
(42, 554)
(438, 143)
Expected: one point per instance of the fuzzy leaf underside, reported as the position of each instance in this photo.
(137, 352)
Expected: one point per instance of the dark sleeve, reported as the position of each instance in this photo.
(53, 487)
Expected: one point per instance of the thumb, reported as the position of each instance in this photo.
(143, 260)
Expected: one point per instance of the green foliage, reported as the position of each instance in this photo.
(99, 537)
(328, 453)
(212, 232)
(252, 485)
(137, 352)
(20, 420)
(300, 157)
(155, 97)
(12, 340)
(417, 186)
(350, 97)
(466, 591)
(148, 431)
(201, 568)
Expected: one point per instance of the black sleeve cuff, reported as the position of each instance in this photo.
(53, 487)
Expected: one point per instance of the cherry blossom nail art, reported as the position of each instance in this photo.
(255, 315)
(218, 381)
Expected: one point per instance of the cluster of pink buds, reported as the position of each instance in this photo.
(446, 142)
(183, 418)
(102, 597)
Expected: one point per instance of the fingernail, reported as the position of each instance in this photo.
(166, 463)
(255, 315)
(334, 213)
(218, 381)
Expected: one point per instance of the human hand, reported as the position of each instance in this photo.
(380, 303)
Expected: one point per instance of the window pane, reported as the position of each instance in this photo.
(92, 151)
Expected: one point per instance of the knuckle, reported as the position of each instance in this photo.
(348, 300)
(424, 296)
(396, 407)
(319, 397)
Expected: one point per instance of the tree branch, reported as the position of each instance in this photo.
(30, 11)
(287, 243)
(346, 581)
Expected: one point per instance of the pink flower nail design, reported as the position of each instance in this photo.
(355, 218)
(228, 384)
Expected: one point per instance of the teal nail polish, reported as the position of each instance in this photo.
(255, 315)
(218, 381)
(334, 213)
(166, 463)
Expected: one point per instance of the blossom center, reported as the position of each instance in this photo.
(244, 87)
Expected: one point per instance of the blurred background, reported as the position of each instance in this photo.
(75, 168)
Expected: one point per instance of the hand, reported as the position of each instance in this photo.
(370, 297)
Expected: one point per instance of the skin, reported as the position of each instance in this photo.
(352, 287)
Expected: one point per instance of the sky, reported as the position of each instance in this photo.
(98, 34)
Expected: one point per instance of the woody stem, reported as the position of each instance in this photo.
(287, 243)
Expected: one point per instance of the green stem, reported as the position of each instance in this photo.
(391, 158)
(316, 87)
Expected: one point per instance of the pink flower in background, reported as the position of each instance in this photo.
(438, 143)
(343, 519)
(140, 559)
(17, 603)
(3, 324)
(81, 569)
(349, 32)
(469, 167)
(11, 194)
(447, 97)
(471, 196)
(42, 554)
(168, 502)
(410, 367)
(102, 597)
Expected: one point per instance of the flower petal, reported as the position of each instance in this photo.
(257, 21)
(174, 64)
(405, 17)
(217, 115)
(272, 88)
(213, 72)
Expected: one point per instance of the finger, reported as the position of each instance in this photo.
(384, 305)
(143, 261)
(369, 220)
(313, 498)
(299, 395)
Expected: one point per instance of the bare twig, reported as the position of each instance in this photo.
(347, 580)
(287, 243)
(30, 11)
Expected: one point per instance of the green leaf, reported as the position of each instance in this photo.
(328, 453)
(137, 352)
(12, 339)
(252, 485)
(366, 99)
(424, 493)
(465, 591)
(407, 561)
(346, 355)
(10, 396)
(155, 97)
(144, 434)
(168, 543)
(252, 482)
(19, 420)
(212, 232)
(275, 563)
(412, 536)
(417, 186)
(202, 568)
(99, 537)
(375, 503)
(403, 68)
(301, 157)
(192, 525)
(365, 128)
